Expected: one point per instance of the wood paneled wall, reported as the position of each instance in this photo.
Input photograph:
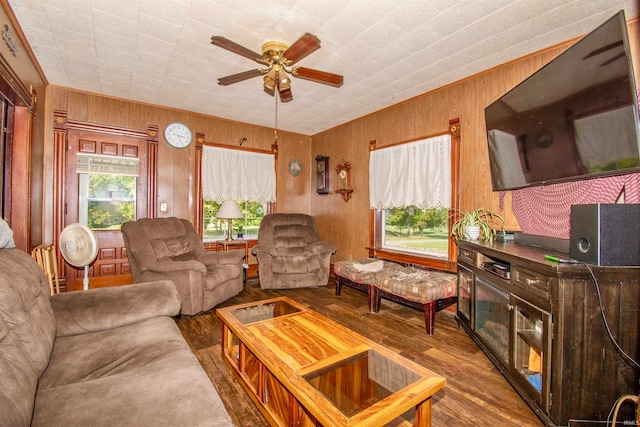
(347, 224)
(176, 167)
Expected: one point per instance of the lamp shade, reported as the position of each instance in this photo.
(229, 209)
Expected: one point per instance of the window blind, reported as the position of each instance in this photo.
(108, 165)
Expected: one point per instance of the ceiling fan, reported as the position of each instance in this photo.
(279, 59)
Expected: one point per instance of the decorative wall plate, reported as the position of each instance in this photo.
(544, 139)
(295, 167)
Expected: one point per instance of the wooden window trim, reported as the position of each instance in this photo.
(375, 223)
(198, 219)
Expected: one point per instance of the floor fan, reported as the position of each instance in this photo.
(79, 247)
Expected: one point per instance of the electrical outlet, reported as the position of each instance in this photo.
(163, 206)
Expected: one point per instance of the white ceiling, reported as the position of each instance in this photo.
(159, 51)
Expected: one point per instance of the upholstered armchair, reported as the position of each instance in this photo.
(170, 248)
(290, 253)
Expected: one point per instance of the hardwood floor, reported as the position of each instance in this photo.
(476, 394)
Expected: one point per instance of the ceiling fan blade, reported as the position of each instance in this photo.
(286, 95)
(318, 76)
(236, 48)
(302, 47)
(235, 78)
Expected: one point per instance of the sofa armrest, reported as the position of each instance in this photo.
(107, 308)
(169, 266)
(268, 250)
(320, 247)
(233, 257)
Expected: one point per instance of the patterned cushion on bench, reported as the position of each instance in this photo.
(418, 285)
(357, 270)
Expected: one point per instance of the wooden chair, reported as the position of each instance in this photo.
(46, 257)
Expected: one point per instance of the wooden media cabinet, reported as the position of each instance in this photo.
(541, 324)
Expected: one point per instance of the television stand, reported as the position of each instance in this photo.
(541, 326)
(544, 242)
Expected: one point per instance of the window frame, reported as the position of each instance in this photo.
(206, 239)
(376, 216)
(199, 209)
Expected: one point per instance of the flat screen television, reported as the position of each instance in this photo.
(575, 118)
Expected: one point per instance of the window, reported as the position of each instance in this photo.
(246, 176)
(107, 190)
(216, 229)
(110, 201)
(419, 231)
(413, 189)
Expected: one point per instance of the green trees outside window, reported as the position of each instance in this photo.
(216, 229)
(422, 231)
(111, 201)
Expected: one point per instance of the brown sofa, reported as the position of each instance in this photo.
(170, 248)
(290, 254)
(102, 357)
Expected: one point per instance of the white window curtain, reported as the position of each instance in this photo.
(416, 173)
(238, 175)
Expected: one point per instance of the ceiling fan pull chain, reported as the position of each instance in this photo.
(275, 130)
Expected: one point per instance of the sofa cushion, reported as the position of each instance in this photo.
(148, 363)
(25, 305)
(219, 274)
(172, 248)
(353, 271)
(19, 380)
(417, 284)
(293, 236)
(27, 332)
(304, 262)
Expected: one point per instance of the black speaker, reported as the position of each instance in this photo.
(606, 234)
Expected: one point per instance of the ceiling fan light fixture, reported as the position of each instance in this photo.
(269, 80)
(279, 59)
(284, 82)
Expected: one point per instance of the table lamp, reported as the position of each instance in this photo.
(229, 210)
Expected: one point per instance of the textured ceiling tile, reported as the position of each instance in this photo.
(151, 26)
(159, 51)
(381, 34)
(411, 14)
(128, 10)
(106, 22)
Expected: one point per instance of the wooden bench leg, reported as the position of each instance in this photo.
(374, 298)
(430, 316)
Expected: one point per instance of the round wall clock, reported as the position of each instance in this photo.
(178, 135)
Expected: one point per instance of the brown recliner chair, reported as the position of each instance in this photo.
(170, 248)
(290, 253)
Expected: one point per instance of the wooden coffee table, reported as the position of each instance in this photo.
(301, 368)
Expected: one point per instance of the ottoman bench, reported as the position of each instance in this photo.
(425, 290)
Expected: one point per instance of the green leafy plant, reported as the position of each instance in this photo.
(485, 218)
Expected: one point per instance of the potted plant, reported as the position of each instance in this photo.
(479, 223)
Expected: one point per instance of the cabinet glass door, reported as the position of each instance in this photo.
(465, 282)
(492, 313)
(530, 351)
